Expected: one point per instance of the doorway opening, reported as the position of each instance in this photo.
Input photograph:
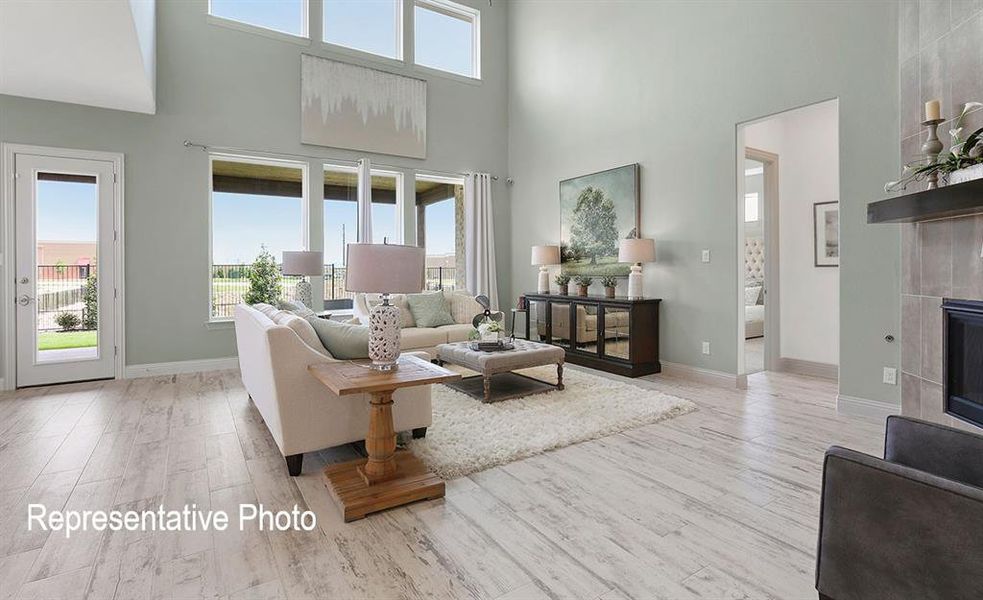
(788, 233)
(62, 225)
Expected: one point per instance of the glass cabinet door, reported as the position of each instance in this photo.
(537, 320)
(562, 328)
(617, 329)
(586, 334)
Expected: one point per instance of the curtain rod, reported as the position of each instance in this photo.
(206, 148)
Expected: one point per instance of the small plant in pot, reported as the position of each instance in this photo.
(609, 282)
(583, 282)
(563, 282)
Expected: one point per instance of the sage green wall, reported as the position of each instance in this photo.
(595, 85)
(230, 88)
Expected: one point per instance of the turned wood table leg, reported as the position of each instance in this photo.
(380, 444)
(559, 376)
(487, 388)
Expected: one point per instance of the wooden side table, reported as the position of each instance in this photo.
(386, 478)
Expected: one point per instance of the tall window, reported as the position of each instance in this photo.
(285, 16)
(447, 37)
(440, 229)
(257, 204)
(340, 229)
(751, 202)
(370, 26)
(387, 190)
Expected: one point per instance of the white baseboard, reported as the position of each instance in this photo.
(701, 375)
(809, 368)
(181, 366)
(862, 407)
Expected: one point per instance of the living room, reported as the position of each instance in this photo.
(454, 286)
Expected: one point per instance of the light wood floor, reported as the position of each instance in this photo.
(719, 503)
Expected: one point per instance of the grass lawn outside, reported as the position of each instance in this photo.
(62, 340)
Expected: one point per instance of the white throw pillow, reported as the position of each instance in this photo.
(463, 306)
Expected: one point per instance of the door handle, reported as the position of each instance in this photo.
(24, 300)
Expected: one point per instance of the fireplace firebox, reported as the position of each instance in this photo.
(962, 347)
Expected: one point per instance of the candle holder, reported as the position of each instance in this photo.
(932, 148)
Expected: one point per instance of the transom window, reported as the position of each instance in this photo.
(285, 16)
(446, 37)
(373, 26)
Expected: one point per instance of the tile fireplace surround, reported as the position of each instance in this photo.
(939, 259)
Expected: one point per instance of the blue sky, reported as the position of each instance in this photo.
(66, 212)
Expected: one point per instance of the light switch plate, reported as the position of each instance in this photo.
(706, 347)
(705, 255)
(890, 376)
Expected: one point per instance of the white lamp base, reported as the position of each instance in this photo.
(304, 293)
(384, 322)
(544, 280)
(635, 282)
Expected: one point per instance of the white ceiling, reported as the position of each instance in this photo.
(92, 52)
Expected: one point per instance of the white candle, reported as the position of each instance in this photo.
(932, 110)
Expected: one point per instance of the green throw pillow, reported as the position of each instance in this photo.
(430, 310)
(343, 341)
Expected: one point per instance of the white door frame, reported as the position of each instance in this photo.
(772, 289)
(7, 335)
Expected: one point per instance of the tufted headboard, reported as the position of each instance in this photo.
(754, 259)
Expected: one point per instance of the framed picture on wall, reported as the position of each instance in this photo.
(826, 233)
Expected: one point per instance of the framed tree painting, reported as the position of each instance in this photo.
(826, 233)
(596, 212)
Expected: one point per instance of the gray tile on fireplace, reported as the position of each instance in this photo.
(933, 67)
(930, 394)
(908, 29)
(964, 64)
(931, 367)
(911, 107)
(933, 19)
(964, 9)
(911, 282)
(967, 265)
(911, 334)
(911, 404)
(935, 256)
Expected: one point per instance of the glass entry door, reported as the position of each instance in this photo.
(65, 271)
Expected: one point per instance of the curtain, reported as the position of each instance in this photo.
(364, 201)
(479, 237)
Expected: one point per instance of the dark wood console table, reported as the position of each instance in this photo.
(616, 335)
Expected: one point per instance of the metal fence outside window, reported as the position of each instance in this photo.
(61, 288)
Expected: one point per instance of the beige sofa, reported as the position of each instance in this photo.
(275, 348)
(463, 308)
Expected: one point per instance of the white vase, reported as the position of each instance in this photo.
(384, 322)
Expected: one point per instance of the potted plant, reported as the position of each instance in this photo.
(563, 281)
(609, 282)
(583, 282)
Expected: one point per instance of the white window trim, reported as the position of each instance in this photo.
(304, 38)
(358, 52)
(255, 160)
(457, 11)
(400, 202)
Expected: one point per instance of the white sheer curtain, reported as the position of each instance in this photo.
(479, 237)
(364, 201)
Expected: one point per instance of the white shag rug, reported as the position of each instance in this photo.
(468, 435)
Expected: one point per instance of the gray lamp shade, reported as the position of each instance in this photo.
(306, 262)
(384, 269)
(636, 250)
(545, 255)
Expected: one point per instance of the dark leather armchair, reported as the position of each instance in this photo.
(908, 526)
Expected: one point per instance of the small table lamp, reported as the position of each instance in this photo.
(305, 263)
(384, 269)
(637, 251)
(542, 256)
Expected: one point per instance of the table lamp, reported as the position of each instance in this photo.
(637, 251)
(304, 263)
(384, 269)
(542, 256)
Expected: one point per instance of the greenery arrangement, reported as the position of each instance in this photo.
(562, 279)
(609, 281)
(964, 152)
(90, 296)
(265, 281)
(67, 321)
(584, 280)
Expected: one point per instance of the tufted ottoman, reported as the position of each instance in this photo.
(525, 354)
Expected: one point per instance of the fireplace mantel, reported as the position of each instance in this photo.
(943, 203)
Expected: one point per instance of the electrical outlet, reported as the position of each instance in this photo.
(705, 255)
(706, 348)
(890, 376)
